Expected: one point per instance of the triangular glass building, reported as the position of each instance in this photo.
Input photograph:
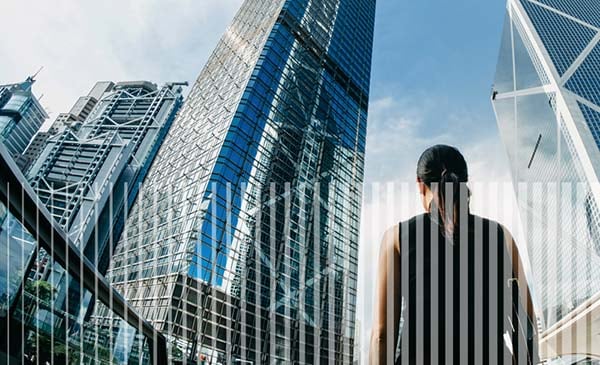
(547, 101)
(242, 246)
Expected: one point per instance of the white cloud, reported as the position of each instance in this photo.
(394, 138)
(81, 42)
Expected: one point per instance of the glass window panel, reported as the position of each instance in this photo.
(504, 81)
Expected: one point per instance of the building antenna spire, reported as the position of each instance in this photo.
(37, 73)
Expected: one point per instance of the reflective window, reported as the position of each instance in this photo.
(592, 117)
(563, 38)
(586, 80)
(586, 10)
(16, 249)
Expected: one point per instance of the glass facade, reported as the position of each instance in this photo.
(547, 106)
(21, 116)
(564, 39)
(37, 260)
(585, 82)
(242, 245)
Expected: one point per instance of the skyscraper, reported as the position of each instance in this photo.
(547, 101)
(21, 116)
(33, 150)
(242, 246)
(72, 119)
(87, 175)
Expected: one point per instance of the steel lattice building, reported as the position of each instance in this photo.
(547, 102)
(88, 174)
(242, 246)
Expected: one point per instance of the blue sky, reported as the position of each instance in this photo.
(436, 61)
(433, 68)
(433, 63)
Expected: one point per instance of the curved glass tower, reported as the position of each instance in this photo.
(242, 246)
(547, 101)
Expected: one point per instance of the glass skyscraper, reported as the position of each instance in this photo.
(547, 101)
(242, 245)
(21, 116)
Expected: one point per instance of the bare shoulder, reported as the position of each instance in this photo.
(391, 238)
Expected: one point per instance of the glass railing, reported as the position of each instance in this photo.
(49, 293)
(52, 317)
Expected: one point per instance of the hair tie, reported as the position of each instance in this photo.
(444, 172)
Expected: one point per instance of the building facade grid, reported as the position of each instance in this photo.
(243, 242)
(550, 130)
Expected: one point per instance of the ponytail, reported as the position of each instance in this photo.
(444, 170)
(449, 202)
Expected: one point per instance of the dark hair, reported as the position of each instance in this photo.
(444, 169)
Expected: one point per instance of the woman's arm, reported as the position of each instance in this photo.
(519, 272)
(386, 317)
